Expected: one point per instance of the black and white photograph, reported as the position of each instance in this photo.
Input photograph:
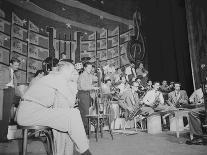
(103, 77)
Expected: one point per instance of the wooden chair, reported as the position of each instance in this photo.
(102, 116)
(139, 119)
(38, 129)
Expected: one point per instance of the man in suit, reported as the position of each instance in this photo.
(154, 100)
(130, 100)
(178, 98)
(8, 85)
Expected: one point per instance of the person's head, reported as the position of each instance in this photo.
(93, 70)
(149, 83)
(39, 73)
(156, 85)
(164, 83)
(132, 65)
(177, 86)
(141, 66)
(14, 63)
(108, 82)
(88, 67)
(134, 86)
(171, 84)
(49, 64)
(67, 70)
(63, 56)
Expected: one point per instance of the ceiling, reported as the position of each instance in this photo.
(121, 8)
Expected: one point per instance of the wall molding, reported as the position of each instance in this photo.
(40, 11)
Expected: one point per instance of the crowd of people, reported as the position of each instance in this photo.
(52, 95)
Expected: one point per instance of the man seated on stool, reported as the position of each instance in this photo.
(129, 101)
(196, 118)
(154, 99)
(178, 98)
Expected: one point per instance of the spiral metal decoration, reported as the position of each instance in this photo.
(136, 46)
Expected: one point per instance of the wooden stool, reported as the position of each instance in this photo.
(45, 130)
(154, 123)
(179, 114)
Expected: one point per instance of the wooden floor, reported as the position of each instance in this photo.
(137, 144)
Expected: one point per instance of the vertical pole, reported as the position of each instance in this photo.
(59, 46)
(192, 44)
(70, 46)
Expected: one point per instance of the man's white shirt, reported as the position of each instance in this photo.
(150, 97)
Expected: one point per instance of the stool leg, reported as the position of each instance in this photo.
(24, 149)
(97, 127)
(50, 142)
(101, 129)
(135, 123)
(89, 128)
(110, 131)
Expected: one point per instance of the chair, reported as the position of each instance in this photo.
(38, 129)
(102, 116)
(139, 119)
(154, 123)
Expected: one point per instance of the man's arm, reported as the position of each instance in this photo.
(161, 98)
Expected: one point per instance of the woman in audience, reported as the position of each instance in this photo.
(37, 106)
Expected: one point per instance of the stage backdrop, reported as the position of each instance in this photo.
(165, 29)
(197, 34)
